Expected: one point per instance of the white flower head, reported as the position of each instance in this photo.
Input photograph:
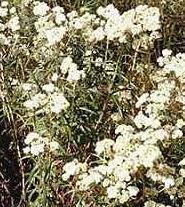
(182, 162)
(31, 137)
(49, 88)
(58, 103)
(177, 133)
(31, 105)
(4, 3)
(70, 168)
(26, 150)
(142, 99)
(75, 75)
(13, 24)
(40, 8)
(104, 146)
(182, 172)
(3, 12)
(166, 52)
(112, 192)
(124, 196)
(27, 86)
(54, 77)
(55, 35)
(36, 149)
(133, 190)
(13, 10)
(180, 123)
(54, 145)
(66, 63)
(168, 182)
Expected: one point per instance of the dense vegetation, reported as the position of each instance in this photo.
(92, 103)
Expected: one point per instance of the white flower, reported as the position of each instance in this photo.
(133, 191)
(102, 169)
(141, 120)
(75, 75)
(103, 146)
(98, 62)
(78, 23)
(2, 27)
(30, 104)
(116, 117)
(40, 8)
(13, 10)
(150, 204)
(4, 3)
(66, 64)
(125, 130)
(14, 82)
(31, 137)
(177, 133)
(142, 99)
(168, 182)
(27, 86)
(88, 53)
(70, 169)
(180, 123)
(54, 77)
(124, 196)
(58, 9)
(59, 15)
(48, 88)
(58, 103)
(35, 101)
(65, 176)
(54, 146)
(112, 192)
(166, 52)
(122, 174)
(97, 177)
(71, 15)
(36, 149)
(3, 12)
(55, 35)
(148, 155)
(182, 162)
(100, 11)
(97, 35)
(60, 18)
(113, 165)
(35, 144)
(85, 182)
(106, 183)
(26, 150)
(13, 24)
(182, 172)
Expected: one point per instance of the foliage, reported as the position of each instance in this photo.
(92, 103)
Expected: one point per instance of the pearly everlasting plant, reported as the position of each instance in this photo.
(95, 105)
(136, 145)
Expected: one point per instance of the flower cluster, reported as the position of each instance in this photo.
(52, 31)
(136, 145)
(51, 100)
(70, 68)
(53, 24)
(182, 170)
(134, 22)
(78, 73)
(9, 23)
(72, 168)
(37, 144)
(174, 64)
